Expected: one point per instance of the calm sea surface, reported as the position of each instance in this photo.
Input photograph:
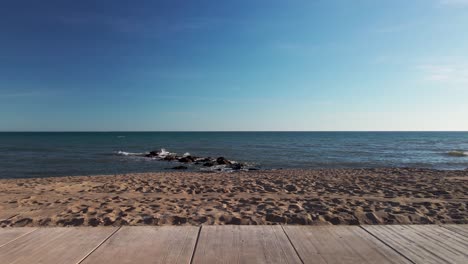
(63, 154)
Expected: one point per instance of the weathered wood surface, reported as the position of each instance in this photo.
(54, 245)
(460, 229)
(147, 244)
(340, 244)
(244, 244)
(236, 244)
(7, 235)
(424, 243)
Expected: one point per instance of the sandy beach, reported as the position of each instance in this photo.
(304, 197)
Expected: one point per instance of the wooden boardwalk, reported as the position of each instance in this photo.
(236, 244)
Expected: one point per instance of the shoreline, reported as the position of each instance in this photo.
(285, 196)
(171, 170)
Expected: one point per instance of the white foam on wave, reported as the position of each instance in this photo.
(160, 154)
(164, 153)
(124, 153)
(186, 154)
(458, 153)
(217, 168)
(223, 168)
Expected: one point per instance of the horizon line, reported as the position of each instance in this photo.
(204, 131)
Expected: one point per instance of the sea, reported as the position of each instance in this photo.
(45, 154)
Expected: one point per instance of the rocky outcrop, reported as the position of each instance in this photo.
(219, 164)
(237, 166)
(223, 161)
(208, 164)
(170, 158)
(186, 159)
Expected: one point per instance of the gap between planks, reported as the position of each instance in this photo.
(196, 244)
(455, 230)
(100, 244)
(292, 244)
(18, 237)
(386, 244)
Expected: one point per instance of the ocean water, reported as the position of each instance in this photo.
(91, 153)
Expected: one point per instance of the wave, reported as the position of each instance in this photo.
(458, 153)
(123, 153)
(163, 153)
(160, 154)
(218, 168)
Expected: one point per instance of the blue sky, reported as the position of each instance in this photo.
(237, 65)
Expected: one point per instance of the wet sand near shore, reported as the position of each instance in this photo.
(303, 197)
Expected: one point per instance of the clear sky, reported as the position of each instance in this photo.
(233, 65)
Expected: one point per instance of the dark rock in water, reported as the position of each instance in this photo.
(253, 169)
(153, 153)
(170, 157)
(237, 166)
(180, 168)
(205, 161)
(186, 159)
(222, 161)
(208, 164)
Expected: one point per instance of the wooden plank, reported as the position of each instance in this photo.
(340, 244)
(9, 234)
(244, 244)
(424, 243)
(54, 245)
(460, 229)
(147, 244)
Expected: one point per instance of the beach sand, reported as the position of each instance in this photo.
(305, 197)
